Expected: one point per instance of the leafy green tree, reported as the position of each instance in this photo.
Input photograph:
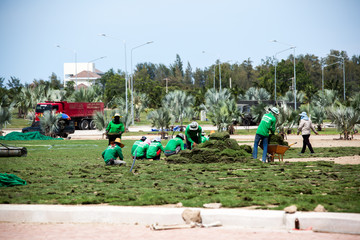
(188, 75)
(14, 86)
(69, 88)
(55, 83)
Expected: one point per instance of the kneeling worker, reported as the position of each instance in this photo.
(142, 139)
(112, 152)
(175, 145)
(140, 151)
(155, 149)
(193, 135)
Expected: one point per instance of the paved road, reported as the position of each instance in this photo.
(27, 231)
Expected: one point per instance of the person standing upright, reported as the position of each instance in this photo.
(267, 124)
(115, 128)
(305, 128)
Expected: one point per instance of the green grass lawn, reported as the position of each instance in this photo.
(73, 172)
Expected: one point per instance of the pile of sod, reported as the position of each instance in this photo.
(278, 140)
(219, 148)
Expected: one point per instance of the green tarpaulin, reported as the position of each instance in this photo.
(27, 136)
(8, 180)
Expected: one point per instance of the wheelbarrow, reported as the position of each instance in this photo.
(275, 150)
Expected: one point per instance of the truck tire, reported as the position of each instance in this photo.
(84, 125)
(92, 125)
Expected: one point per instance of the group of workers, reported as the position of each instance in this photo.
(147, 149)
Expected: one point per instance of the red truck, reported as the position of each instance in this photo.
(79, 112)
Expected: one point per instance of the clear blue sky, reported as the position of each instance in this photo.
(229, 29)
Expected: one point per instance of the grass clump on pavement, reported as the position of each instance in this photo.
(73, 172)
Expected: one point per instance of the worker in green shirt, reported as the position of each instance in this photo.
(193, 135)
(155, 148)
(203, 137)
(136, 143)
(115, 128)
(141, 149)
(175, 145)
(111, 153)
(267, 124)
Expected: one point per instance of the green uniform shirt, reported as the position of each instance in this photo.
(112, 152)
(115, 127)
(141, 149)
(192, 134)
(267, 124)
(134, 146)
(153, 148)
(174, 143)
(204, 139)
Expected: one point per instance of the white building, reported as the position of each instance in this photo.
(83, 74)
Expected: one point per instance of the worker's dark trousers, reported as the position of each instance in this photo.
(306, 142)
(188, 144)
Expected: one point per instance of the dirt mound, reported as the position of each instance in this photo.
(219, 148)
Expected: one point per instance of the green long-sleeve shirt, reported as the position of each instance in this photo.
(267, 124)
(204, 139)
(134, 146)
(174, 143)
(115, 127)
(141, 150)
(112, 152)
(153, 148)
(190, 134)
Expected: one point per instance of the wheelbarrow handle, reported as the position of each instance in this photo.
(292, 144)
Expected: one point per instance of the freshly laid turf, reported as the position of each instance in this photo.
(73, 172)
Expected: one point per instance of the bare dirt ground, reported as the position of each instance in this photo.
(27, 231)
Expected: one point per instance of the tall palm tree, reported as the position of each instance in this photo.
(179, 103)
(85, 95)
(161, 118)
(221, 108)
(345, 118)
(325, 98)
(140, 103)
(5, 117)
(255, 94)
(289, 97)
(49, 123)
(102, 119)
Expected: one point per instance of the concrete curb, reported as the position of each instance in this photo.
(265, 219)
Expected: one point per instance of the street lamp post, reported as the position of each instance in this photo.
(93, 61)
(75, 62)
(132, 80)
(343, 62)
(276, 66)
(291, 47)
(126, 75)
